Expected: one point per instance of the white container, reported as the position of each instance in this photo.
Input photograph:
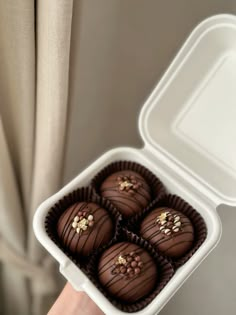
(188, 125)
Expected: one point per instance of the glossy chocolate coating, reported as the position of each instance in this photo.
(127, 272)
(128, 191)
(95, 220)
(169, 231)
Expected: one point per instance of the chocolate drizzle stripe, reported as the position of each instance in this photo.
(164, 209)
(69, 218)
(98, 240)
(165, 239)
(129, 198)
(140, 192)
(68, 223)
(158, 231)
(122, 203)
(141, 283)
(151, 223)
(149, 262)
(74, 233)
(112, 281)
(116, 253)
(106, 255)
(126, 173)
(89, 232)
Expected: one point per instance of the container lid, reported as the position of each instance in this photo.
(191, 115)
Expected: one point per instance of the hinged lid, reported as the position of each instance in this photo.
(191, 115)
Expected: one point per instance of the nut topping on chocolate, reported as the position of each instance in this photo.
(127, 190)
(121, 260)
(82, 221)
(129, 265)
(169, 223)
(128, 184)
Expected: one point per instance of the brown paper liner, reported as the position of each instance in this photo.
(175, 202)
(81, 194)
(165, 268)
(158, 190)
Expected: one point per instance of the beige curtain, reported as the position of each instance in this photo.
(34, 68)
(73, 77)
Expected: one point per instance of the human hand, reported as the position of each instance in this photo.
(71, 302)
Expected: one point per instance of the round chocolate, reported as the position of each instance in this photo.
(84, 227)
(127, 272)
(169, 231)
(128, 191)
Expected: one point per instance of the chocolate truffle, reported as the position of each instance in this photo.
(169, 231)
(84, 227)
(128, 191)
(127, 272)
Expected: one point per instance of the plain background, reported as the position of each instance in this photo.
(119, 51)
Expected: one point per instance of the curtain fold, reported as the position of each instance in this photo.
(53, 52)
(12, 235)
(54, 20)
(34, 67)
(17, 108)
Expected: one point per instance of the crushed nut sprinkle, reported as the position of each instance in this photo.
(129, 184)
(125, 184)
(121, 260)
(82, 221)
(169, 223)
(129, 265)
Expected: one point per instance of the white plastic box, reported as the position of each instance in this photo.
(188, 125)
